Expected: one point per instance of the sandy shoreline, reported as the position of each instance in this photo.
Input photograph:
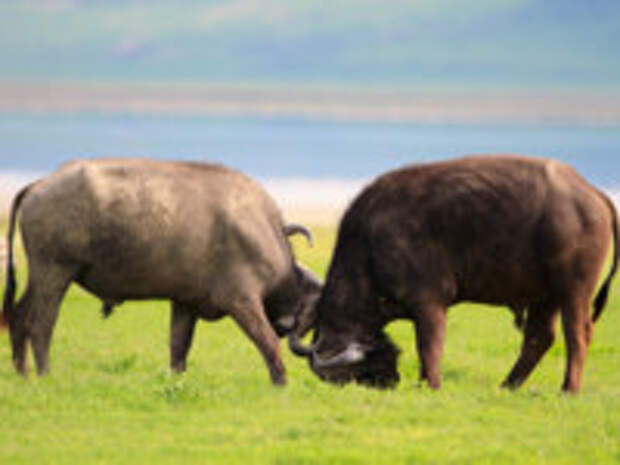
(316, 202)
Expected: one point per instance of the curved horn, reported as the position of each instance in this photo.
(295, 228)
(354, 353)
(296, 346)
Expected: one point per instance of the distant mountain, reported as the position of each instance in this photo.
(434, 43)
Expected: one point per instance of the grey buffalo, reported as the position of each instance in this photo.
(522, 232)
(207, 238)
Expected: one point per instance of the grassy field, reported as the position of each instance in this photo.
(111, 399)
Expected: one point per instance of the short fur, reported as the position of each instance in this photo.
(207, 238)
(522, 232)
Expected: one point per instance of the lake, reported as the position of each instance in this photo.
(296, 157)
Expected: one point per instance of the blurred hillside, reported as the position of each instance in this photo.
(544, 44)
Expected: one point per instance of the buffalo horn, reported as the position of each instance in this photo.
(296, 346)
(295, 228)
(354, 353)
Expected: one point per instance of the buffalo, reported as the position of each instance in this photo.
(523, 232)
(207, 238)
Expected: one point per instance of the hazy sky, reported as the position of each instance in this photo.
(455, 43)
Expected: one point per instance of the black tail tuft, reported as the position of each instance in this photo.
(9, 296)
(107, 309)
(600, 301)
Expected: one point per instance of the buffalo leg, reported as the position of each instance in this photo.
(250, 316)
(18, 330)
(430, 327)
(36, 314)
(577, 333)
(539, 335)
(182, 324)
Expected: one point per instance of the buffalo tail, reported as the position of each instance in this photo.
(11, 283)
(603, 293)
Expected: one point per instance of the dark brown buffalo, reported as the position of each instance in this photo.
(205, 237)
(526, 233)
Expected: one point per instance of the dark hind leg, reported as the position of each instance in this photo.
(430, 328)
(578, 334)
(35, 315)
(539, 335)
(182, 324)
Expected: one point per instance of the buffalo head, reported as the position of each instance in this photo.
(370, 359)
(293, 304)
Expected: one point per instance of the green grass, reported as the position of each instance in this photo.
(111, 399)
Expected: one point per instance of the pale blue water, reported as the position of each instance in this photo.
(283, 148)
